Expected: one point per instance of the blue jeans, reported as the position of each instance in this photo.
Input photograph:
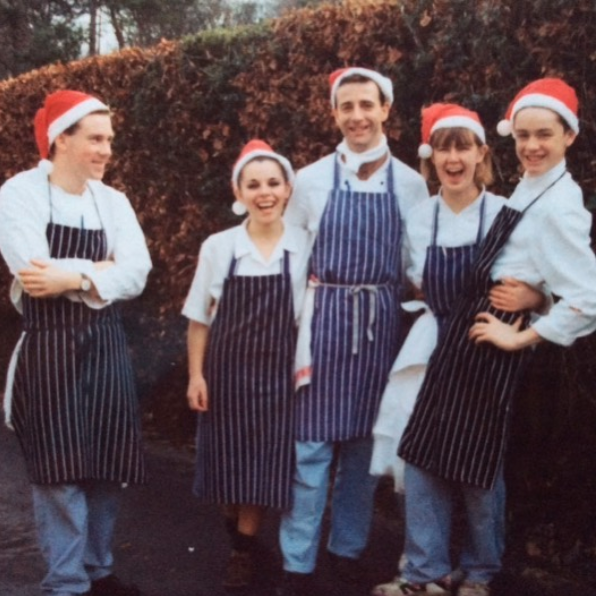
(429, 504)
(75, 524)
(351, 507)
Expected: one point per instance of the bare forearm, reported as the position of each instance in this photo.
(197, 394)
(197, 344)
(526, 338)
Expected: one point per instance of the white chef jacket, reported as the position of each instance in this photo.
(551, 244)
(216, 255)
(454, 229)
(25, 214)
(314, 182)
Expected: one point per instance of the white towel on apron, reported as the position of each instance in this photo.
(303, 358)
(399, 397)
(12, 367)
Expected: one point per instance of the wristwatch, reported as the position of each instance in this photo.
(85, 283)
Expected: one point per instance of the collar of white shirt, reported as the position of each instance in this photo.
(530, 187)
(243, 244)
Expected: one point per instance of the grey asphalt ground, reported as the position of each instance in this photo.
(169, 545)
(165, 542)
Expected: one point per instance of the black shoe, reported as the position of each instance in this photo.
(296, 584)
(348, 570)
(110, 585)
(240, 570)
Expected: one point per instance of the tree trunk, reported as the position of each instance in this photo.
(117, 27)
(92, 27)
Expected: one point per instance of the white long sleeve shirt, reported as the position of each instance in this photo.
(314, 182)
(551, 245)
(25, 214)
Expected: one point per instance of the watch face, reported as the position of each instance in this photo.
(85, 285)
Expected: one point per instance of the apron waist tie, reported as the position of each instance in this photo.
(356, 290)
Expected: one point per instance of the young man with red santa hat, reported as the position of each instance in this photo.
(75, 249)
(353, 202)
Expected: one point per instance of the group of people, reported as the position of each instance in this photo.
(295, 330)
(309, 288)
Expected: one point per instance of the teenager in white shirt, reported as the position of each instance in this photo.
(243, 306)
(75, 248)
(444, 235)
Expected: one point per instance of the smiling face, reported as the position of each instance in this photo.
(360, 115)
(541, 139)
(455, 158)
(87, 151)
(263, 189)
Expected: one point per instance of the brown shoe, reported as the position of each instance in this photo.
(239, 571)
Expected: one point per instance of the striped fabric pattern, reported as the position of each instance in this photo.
(245, 440)
(459, 425)
(447, 269)
(356, 320)
(75, 405)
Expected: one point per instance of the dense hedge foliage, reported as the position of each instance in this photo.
(182, 111)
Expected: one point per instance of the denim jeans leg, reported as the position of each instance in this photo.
(300, 528)
(61, 517)
(485, 539)
(429, 504)
(103, 499)
(353, 499)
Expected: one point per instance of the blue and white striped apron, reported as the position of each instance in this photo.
(447, 269)
(356, 319)
(75, 409)
(458, 429)
(245, 441)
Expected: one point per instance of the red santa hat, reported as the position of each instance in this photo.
(252, 150)
(384, 83)
(447, 115)
(61, 110)
(554, 94)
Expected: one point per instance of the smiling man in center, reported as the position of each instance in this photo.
(353, 202)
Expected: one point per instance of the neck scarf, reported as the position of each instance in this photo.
(352, 161)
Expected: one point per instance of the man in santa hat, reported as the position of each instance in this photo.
(354, 202)
(75, 249)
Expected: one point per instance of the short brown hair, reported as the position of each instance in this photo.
(73, 128)
(462, 138)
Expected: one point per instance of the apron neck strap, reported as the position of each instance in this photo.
(544, 191)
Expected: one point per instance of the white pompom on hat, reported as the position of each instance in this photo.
(447, 115)
(60, 111)
(337, 76)
(552, 93)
